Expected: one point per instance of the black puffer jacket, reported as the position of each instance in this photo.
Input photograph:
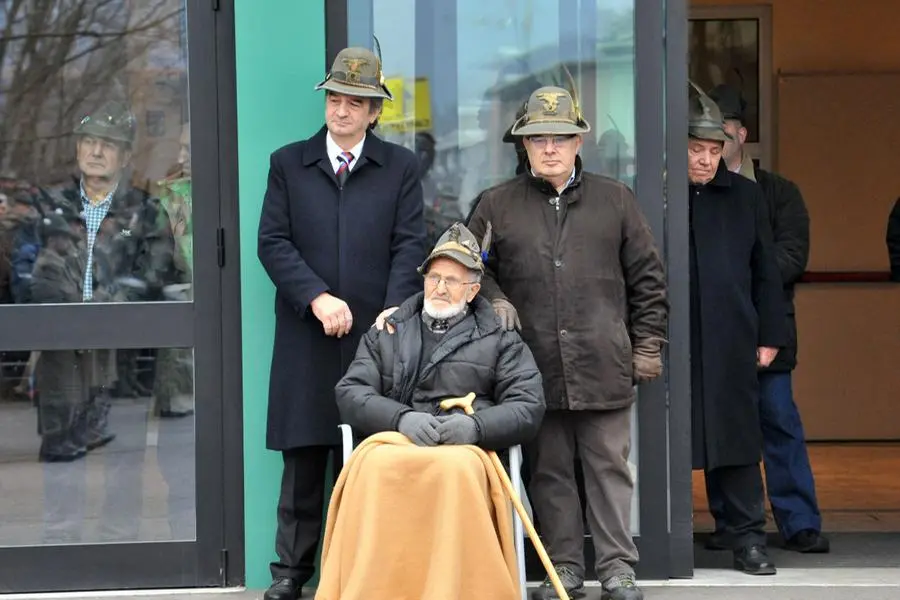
(476, 355)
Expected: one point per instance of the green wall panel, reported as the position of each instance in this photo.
(280, 53)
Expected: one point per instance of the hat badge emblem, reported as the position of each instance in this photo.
(353, 66)
(550, 101)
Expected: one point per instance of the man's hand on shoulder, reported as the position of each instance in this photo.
(507, 314)
(381, 321)
(333, 313)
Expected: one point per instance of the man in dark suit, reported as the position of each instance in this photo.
(789, 478)
(341, 235)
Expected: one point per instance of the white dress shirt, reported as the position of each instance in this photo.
(334, 151)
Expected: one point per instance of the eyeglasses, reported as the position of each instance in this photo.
(558, 140)
(451, 283)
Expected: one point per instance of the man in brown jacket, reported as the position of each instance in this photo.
(575, 267)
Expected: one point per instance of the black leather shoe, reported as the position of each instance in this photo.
(283, 588)
(808, 541)
(753, 560)
(572, 583)
(719, 540)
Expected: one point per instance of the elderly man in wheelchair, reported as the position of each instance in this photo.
(419, 510)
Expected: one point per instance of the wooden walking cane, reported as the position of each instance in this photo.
(465, 403)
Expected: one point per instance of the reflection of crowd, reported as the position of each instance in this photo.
(95, 238)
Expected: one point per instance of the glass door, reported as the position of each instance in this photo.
(110, 368)
(460, 70)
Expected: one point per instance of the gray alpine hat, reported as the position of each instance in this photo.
(356, 72)
(550, 110)
(705, 119)
(459, 244)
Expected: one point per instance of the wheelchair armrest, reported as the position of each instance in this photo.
(515, 459)
(346, 442)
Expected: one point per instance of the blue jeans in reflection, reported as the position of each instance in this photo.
(175, 455)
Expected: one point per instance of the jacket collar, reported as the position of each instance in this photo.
(747, 169)
(315, 151)
(721, 179)
(547, 188)
(121, 197)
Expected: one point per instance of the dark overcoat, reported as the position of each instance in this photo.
(736, 307)
(361, 243)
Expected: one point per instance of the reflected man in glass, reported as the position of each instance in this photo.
(575, 266)
(123, 251)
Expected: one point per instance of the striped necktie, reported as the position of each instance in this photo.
(344, 159)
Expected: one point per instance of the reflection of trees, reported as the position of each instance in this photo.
(721, 53)
(60, 58)
(727, 51)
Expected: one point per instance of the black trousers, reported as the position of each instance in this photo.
(743, 499)
(301, 506)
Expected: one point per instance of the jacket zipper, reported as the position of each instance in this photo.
(561, 213)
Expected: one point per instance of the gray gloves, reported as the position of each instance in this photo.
(420, 427)
(458, 429)
(506, 312)
(424, 429)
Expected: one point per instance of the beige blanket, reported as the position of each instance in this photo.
(414, 523)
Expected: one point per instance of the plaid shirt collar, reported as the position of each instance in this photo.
(85, 199)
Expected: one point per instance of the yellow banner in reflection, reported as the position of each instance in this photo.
(411, 108)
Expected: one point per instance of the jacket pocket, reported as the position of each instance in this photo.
(624, 350)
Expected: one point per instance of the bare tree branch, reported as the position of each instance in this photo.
(60, 58)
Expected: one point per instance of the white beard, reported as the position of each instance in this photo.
(443, 313)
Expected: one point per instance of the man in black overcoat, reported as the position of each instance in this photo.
(341, 235)
(790, 483)
(737, 327)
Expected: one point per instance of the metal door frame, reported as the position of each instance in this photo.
(678, 360)
(199, 325)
